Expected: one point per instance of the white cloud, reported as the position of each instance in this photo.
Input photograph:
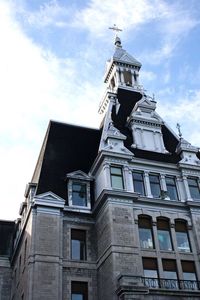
(35, 86)
(185, 110)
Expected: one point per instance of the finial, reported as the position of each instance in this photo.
(117, 39)
(178, 126)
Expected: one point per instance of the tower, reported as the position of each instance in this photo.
(115, 218)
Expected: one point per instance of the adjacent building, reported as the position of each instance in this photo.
(111, 213)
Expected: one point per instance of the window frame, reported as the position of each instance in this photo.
(196, 186)
(82, 239)
(181, 227)
(115, 175)
(157, 184)
(79, 288)
(173, 185)
(147, 224)
(81, 184)
(140, 181)
(164, 225)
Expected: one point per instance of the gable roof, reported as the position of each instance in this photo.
(66, 148)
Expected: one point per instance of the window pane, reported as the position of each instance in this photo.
(78, 244)
(79, 290)
(189, 276)
(138, 183)
(194, 191)
(151, 273)
(155, 185)
(164, 240)
(79, 194)
(77, 297)
(171, 188)
(170, 274)
(117, 182)
(194, 188)
(182, 241)
(146, 240)
(116, 171)
(116, 178)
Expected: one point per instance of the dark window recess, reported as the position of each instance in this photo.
(182, 239)
(138, 183)
(155, 185)
(150, 269)
(128, 78)
(194, 188)
(164, 236)
(145, 232)
(79, 195)
(171, 188)
(170, 273)
(78, 244)
(189, 275)
(116, 177)
(79, 290)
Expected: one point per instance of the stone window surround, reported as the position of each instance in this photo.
(81, 181)
(163, 254)
(179, 267)
(172, 223)
(78, 230)
(128, 182)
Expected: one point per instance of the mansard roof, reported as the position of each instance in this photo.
(66, 148)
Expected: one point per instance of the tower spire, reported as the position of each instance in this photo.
(117, 39)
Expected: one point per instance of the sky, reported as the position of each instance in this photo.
(52, 62)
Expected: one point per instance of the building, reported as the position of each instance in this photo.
(110, 213)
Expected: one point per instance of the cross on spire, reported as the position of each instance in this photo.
(117, 39)
(115, 28)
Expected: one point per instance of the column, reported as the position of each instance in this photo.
(147, 184)
(163, 187)
(128, 179)
(117, 76)
(122, 76)
(107, 180)
(187, 191)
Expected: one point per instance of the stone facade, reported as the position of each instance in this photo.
(128, 225)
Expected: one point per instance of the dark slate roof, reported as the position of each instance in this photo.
(67, 148)
(127, 100)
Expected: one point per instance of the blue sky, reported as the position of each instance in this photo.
(52, 62)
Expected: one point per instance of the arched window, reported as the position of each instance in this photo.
(164, 236)
(145, 232)
(182, 236)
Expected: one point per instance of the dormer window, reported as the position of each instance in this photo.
(79, 190)
(79, 194)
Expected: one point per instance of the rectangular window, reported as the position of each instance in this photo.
(189, 275)
(78, 244)
(79, 194)
(171, 188)
(170, 273)
(155, 185)
(194, 188)
(145, 233)
(150, 272)
(116, 177)
(79, 290)
(164, 237)
(182, 237)
(138, 183)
